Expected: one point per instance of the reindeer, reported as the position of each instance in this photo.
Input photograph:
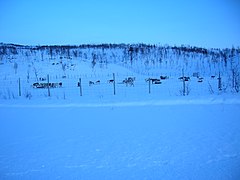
(128, 82)
(131, 79)
(97, 82)
(35, 85)
(200, 79)
(111, 81)
(164, 77)
(157, 82)
(153, 81)
(184, 78)
(42, 79)
(91, 83)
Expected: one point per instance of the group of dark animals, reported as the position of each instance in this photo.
(127, 81)
(47, 85)
(156, 81)
(186, 78)
(92, 83)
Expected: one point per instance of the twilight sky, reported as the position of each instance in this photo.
(206, 23)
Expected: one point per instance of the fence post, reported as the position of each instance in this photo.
(149, 86)
(80, 86)
(114, 85)
(184, 85)
(48, 85)
(19, 87)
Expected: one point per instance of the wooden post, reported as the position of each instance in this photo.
(80, 86)
(184, 85)
(114, 85)
(149, 86)
(48, 85)
(19, 87)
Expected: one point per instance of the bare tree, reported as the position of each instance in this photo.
(35, 72)
(64, 65)
(28, 75)
(219, 82)
(94, 58)
(235, 79)
(15, 66)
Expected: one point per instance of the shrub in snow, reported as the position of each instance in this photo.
(28, 95)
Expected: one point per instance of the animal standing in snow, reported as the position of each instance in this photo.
(200, 79)
(42, 79)
(91, 83)
(129, 81)
(111, 81)
(153, 81)
(164, 77)
(97, 82)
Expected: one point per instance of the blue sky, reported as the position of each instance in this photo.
(206, 23)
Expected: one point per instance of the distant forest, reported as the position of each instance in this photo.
(130, 49)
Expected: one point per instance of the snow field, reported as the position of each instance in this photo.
(132, 142)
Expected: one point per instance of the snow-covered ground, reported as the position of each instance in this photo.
(168, 141)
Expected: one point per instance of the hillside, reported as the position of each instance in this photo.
(178, 71)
